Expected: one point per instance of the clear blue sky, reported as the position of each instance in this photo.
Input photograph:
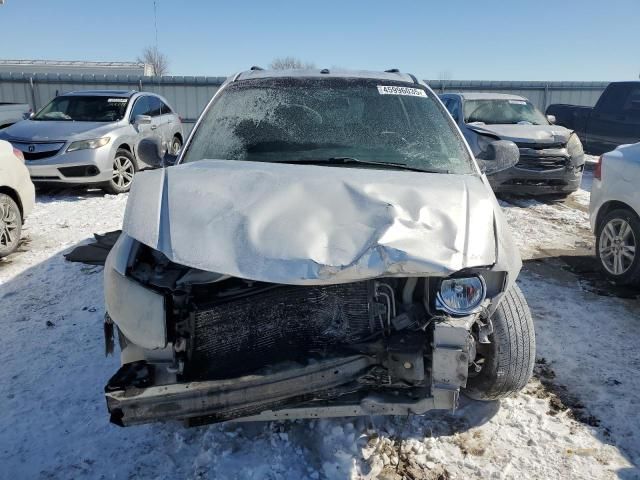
(464, 40)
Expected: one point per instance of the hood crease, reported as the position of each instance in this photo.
(307, 224)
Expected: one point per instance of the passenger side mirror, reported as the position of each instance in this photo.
(142, 120)
(500, 155)
(152, 152)
(552, 119)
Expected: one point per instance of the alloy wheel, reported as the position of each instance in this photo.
(9, 225)
(617, 246)
(176, 145)
(123, 171)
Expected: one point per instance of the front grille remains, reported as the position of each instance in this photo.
(542, 163)
(543, 157)
(282, 323)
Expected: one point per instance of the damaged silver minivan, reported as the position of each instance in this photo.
(325, 246)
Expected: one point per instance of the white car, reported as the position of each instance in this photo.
(17, 197)
(614, 211)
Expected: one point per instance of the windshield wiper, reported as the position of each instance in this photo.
(357, 161)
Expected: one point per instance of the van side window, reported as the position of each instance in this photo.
(141, 107)
(613, 99)
(165, 109)
(155, 107)
(452, 105)
(632, 103)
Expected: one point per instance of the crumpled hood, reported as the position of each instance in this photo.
(552, 134)
(44, 131)
(304, 224)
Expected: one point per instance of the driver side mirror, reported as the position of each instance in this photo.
(499, 155)
(152, 152)
(551, 119)
(142, 120)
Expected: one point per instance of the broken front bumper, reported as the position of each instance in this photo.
(134, 396)
(540, 171)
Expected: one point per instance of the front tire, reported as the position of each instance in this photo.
(124, 168)
(507, 362)
(617, 238)
(10, 225)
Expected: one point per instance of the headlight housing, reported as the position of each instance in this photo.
(462, 295)
(88, 144)
(575, 150)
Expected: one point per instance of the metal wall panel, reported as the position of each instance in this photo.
(541, 94)
(189, 95)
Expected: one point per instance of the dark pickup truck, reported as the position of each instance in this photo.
(614, 121)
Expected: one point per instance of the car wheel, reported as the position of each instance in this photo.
(617, 238)
(124, 168)
(176, 146)
(506, 363)
(10, 225)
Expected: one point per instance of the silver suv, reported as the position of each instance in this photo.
(91, 137)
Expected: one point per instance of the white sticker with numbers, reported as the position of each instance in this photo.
(389, 90)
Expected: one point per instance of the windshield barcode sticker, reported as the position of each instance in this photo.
(388, 90)
(117, 100)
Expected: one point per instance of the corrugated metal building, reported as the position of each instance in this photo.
(75, 67)
(189, 95)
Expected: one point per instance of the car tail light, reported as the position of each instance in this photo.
(18, 154)
(597, 171)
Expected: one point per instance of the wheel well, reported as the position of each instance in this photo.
(609, 207)
(126, 147)
(16, 198)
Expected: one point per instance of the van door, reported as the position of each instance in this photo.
(155, 111)
(143, 106)
(170, 125)
(616, 118)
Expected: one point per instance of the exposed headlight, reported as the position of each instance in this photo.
(574, 147)
(461, 296)
(84, 144)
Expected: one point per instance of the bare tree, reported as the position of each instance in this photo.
(290, 63)
(158, 60)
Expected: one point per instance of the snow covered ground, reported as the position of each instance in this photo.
(578, 418)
